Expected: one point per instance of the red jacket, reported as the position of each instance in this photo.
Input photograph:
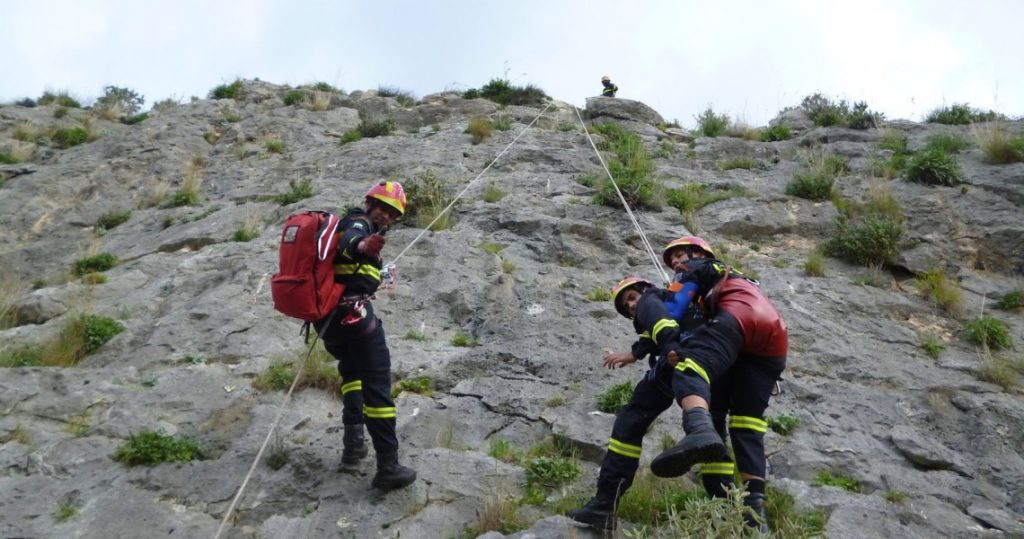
(764, 331)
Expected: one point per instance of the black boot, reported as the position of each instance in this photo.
(391, 474)
(599, 512)
(756, 518)
(700, 444)
(355, 448)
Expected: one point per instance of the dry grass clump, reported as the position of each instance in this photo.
(997, 144)
(938, 288)
(480, 129)
(11, 288)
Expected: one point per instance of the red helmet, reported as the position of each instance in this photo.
(629, 282)
(684, 241)
(390, 193)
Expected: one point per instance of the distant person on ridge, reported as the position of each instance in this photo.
(609, 88)
(355, 337)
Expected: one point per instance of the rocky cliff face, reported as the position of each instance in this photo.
(199, 324)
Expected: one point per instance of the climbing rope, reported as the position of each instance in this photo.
(298, 373)
(632, 217)
(273, 426)
(466, 188)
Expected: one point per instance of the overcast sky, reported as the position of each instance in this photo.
(748, 59)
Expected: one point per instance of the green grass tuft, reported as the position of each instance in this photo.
(493, 193)
(599, 293)
(933, 166)
(463, 340)
(428, 195)
(503, 92)
(938, 288)
(227, 91)
(615, 398)
(990, 332)
(710, 124)
(112, 219)
(632, 169)
(783, 424)
(827, 478)
(298, 191)
(931, 344)
(413, 335)
(100, 262)
(1011, 301)
(151, 448)
(421, 385)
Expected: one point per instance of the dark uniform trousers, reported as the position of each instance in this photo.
(364, 363)
(741, 385)
(651, 397)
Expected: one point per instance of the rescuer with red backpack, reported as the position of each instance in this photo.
(355, 336)
(329, 270)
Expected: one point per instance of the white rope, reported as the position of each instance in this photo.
(464, 189)
(298, 373)
(622, 198)
(273, 426)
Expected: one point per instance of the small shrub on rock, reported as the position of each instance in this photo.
(710, 124)
(960, 114)
(151, 448)
(503, 92)
(615, 398)
(776, 133)
(479, 128)
(68, 137)
(990, 332)
(934, 167)
(871, 239)
(124, 99)
(227, 91)
(100, 262)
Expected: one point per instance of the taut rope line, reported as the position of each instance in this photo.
(643, 237)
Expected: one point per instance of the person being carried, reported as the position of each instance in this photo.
(638, 299)
(354, 335)
(609, 88)
(739, 352)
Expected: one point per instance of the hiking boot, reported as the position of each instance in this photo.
(598, 513)
(355, 448)
(392, 475)
(700, 444)
(756, 517)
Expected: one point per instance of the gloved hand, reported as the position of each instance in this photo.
(371, 245)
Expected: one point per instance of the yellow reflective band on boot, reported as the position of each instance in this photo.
(718, 468)
(356, 385)
(357, 269)
(663, 324)
(624, 449)
(692, 365)
(749, 423)
(385, 412)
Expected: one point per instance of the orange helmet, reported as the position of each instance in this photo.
(693, 241)
(390, 193)
(629, 282)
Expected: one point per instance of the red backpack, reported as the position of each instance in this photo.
(304, 288)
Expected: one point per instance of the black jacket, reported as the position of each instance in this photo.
(359, 273)
(658, 331)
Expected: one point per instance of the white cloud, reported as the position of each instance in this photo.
(748, 59)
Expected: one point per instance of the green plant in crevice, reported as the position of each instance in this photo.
(615, 398)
